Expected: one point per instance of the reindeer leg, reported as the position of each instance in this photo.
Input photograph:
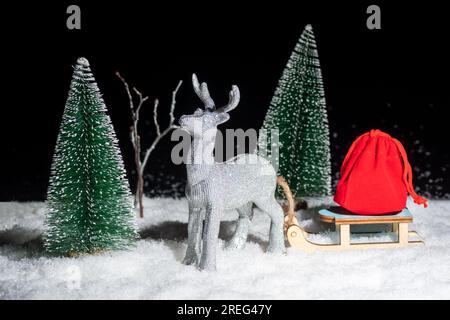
(240, 235)
(276, 237)
(210, 238)
(195, 229)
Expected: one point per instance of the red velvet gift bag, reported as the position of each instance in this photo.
(376, 176)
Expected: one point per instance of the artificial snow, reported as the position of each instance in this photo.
(153, 269)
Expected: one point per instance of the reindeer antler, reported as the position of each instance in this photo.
(203, 93)
(235, 96)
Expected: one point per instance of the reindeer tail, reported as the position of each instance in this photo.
(291, 205)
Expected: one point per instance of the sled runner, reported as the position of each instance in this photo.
(342, 219)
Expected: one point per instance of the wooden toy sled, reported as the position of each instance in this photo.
(343, 220)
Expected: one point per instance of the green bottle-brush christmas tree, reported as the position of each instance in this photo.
(89, 204)
(298, 111)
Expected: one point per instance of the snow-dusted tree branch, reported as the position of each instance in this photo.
(141, 162)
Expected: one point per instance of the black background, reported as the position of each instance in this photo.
(394, 79)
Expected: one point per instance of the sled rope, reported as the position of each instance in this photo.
(287, 192)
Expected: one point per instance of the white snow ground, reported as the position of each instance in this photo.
(153, 269)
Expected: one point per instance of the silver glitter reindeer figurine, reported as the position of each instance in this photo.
(213, 188)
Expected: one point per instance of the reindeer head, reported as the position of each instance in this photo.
(208, 118)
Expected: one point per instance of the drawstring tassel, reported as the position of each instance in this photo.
(407, 176)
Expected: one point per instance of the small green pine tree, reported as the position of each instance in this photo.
(89, 204)
(298, 111)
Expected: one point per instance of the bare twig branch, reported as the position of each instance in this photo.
(133, 140)
(159, 134)
(155, 117)
(130, 97)
(141, 102)
(136, 139)
(172, 105)
(155, 142)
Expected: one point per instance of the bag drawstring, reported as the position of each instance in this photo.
(407, 176)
